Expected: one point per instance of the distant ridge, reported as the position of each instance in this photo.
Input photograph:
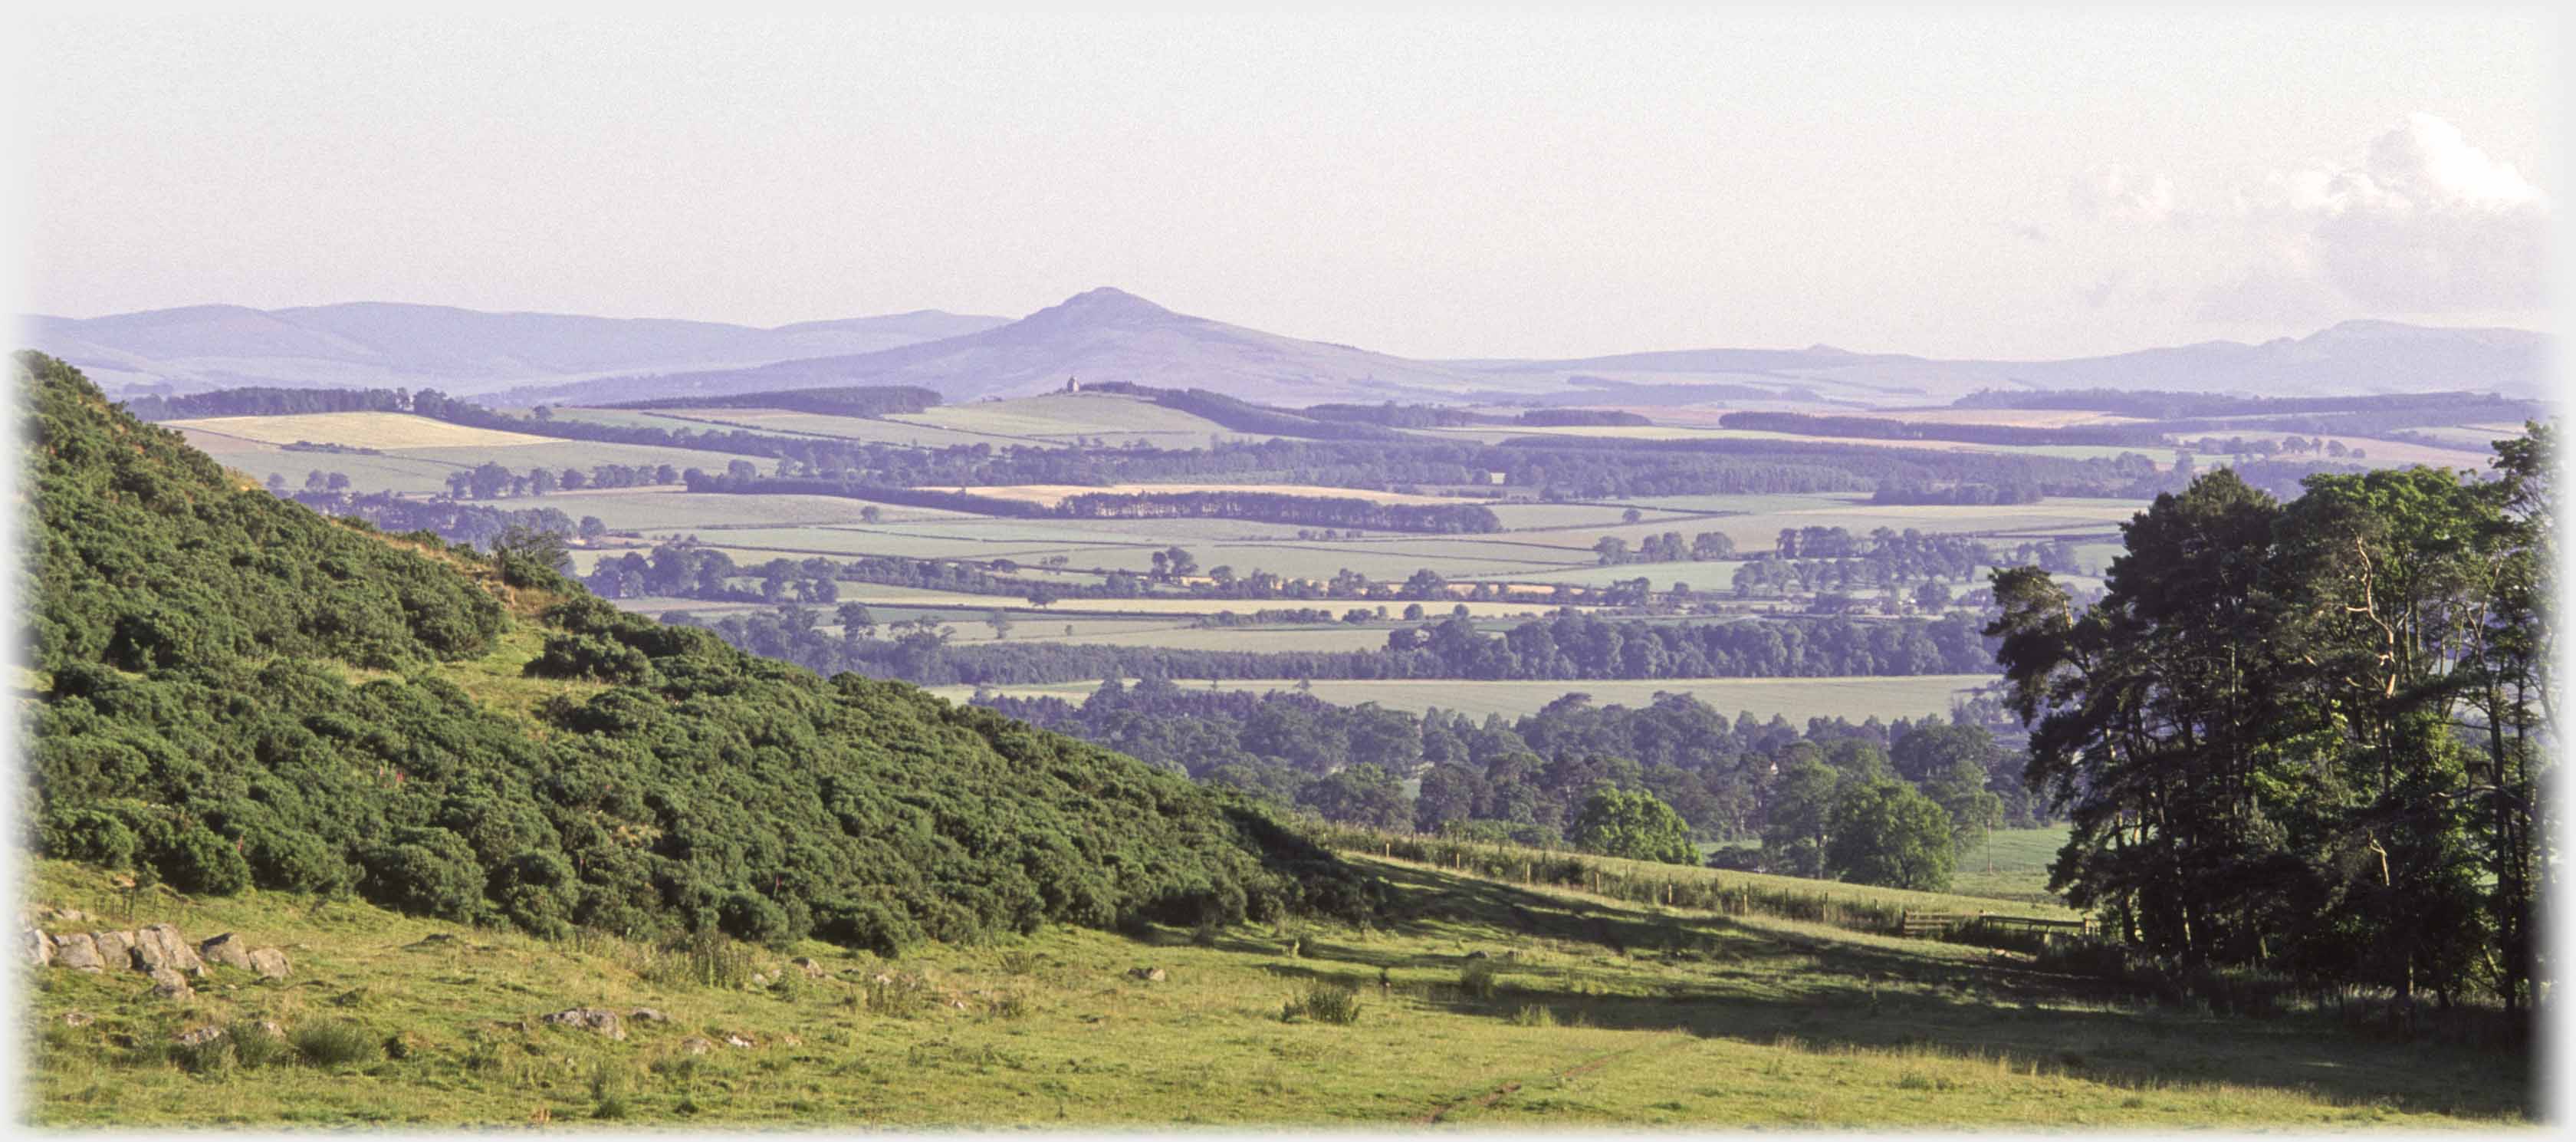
(384, 344)
(1108, 334)
(1104, 334)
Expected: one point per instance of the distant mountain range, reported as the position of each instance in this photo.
(381, 345)
(1109, 335)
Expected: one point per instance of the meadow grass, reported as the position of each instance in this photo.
(1595, 1012)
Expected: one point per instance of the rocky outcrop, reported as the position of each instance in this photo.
(160, 946)
(228, 949)
(78, 952)
(811, 968)
(115, 949)
(40, 947)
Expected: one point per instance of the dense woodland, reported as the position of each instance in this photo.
(1565, 646)
(1526, 779)
(2309, 736)
(229, 690)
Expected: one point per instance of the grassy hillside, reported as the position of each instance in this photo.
(1584, 1011)
(237, 693)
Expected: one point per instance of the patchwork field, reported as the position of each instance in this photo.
(382, 430)
(2162, 455)
(1070, 414)
(1796, 699)
(1053, 494)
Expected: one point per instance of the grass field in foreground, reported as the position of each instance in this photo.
(1598, 1013)
(1796, 699)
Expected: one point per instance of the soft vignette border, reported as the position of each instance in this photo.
(2553, 1067)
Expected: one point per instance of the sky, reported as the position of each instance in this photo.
(1432, 183)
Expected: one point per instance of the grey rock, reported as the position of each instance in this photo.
(196, 1035)
(228, 949)
(268, 962)
(739, 1042)
(116, 950)
(161, 946)
(78, 952)
(1149, 975)
(813, 968)
(648, 1015)
(40, 947)
(167, 983)
(597, 1019)
(78, 1019)
(697, 1045)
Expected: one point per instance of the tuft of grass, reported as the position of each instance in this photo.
(702, 959)
(1019, 961)
(1534, 1015)
(332, 1042)
(1323, 1003)
(254, 1047)
(1479, 980)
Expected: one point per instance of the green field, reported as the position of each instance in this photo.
(1593, 1013)
(2009, 864)
(669, 511)
(1796, 699)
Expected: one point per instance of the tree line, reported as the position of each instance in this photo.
(2308, 736)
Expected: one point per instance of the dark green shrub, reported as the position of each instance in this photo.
(199, 861)
(295, 862)
(751, 916)
(536, 890)
(425, 871)
(86, 835)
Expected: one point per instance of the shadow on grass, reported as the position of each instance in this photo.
(1765, 986)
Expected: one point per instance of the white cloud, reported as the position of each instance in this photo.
(2423, 222)
(2110, 192)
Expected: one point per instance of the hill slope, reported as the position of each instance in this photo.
(382, 345)
(233, 691)
(1101, 335)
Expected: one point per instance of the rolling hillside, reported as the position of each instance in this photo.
(231, 692)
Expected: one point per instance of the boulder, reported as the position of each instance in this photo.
(739, 1042)
(1149, 975)
(648, 1015)
(40, 948)
(161, 946)
(78, 952)
(228, 949)
(116, 950)
(697, 1045)
(597, 1019)
(268, 962)
(812, 967)
(196, 1035)
(167, 983)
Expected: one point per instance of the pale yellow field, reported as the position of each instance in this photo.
(1053, 494)
(874, 595)
(2013, 417)
(384, 430)
(2393, 453)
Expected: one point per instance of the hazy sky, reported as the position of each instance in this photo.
(2022, 184)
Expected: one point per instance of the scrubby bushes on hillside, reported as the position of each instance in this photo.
(196, 716)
